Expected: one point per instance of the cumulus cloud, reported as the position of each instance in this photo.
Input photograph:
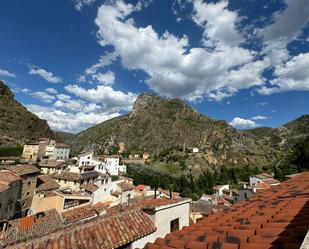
(259, 117)
(71, 122)
(174, 69)
(242, 123)
(104, 61)
(219, 22)
(43, 96)
(79, 4)
(5, 73)
(105, 78)
(105, 95)
(48, 76)
(51, 90)
(291, 76)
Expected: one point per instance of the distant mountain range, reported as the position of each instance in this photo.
(157, 125)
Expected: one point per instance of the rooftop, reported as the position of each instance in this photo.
(52, 164)
(72, 176)
(6, 178)
(84, 212)
(99, 233)
(125, 186)
(60, 145)
(23, 169)
(46, 183)
(32, 226)
(274, 218)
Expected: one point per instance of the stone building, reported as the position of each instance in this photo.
(9, 192)
(28, 174)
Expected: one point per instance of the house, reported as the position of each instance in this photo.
(111, 164)
(168, 215)
(274, 218)
(45, 183)
(100, 190)
(74, 181)
(52, 166)
(31, 151)
(28, 174)
(263, 178)
(10, 184)
(87, 158)
(195, 150)
(57, 151)
(60, 199)
(146, 156)
(218, 189)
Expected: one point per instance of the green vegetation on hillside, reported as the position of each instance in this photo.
(11, 151)
(186, 184)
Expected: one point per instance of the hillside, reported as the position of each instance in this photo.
(156, 125)
(17, 124)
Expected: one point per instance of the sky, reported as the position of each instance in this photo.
(77, 63)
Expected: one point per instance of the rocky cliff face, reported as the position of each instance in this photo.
(157, 124)
(17, 124)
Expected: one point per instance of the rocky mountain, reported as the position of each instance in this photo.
(157, 124)
(284, 137)
(291, 141)
(17, 124)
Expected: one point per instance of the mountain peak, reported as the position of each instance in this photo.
(5, 92)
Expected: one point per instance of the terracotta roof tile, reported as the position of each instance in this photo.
(98, 233)
(46, 183)
(31, 226)
(276, 218)
(23, 169)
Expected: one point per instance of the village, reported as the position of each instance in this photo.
(45, 191)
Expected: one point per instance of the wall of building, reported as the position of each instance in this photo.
(27, 191)
(42, 203)
(8, 199)
(30, 151)
(163, 217)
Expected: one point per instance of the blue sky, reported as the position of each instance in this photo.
(77, 63)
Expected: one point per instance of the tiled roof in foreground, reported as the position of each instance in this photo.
(97, 233)
(277, 218)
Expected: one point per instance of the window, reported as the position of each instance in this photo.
(174, 225)
(245, 195)
(29, 183)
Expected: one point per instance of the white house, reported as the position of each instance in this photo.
(57, 151)
(168, 215)
(218, 189)
(104, 164)
(263, 178)
(195, 150)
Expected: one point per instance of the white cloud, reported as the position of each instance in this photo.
(48, 76)
(219, 22)
(104, 61)
(79, 4)
(106, 96)
(43, 96)
(292, 76)
(286, 26)
(107, 78)
(259, 117)
(242, 123)
(51, 90)
(5, 73)
(70, 122)
(289, 22)
(175, 70)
